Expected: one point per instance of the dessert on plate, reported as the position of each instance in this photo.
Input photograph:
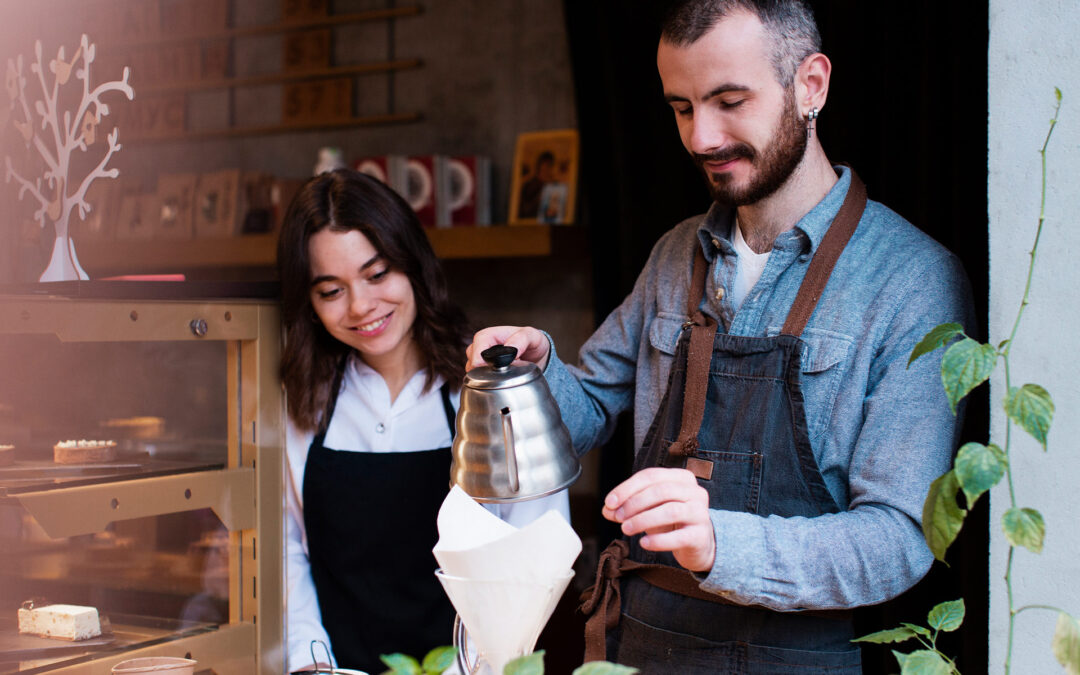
(62, 622)
(84, 452)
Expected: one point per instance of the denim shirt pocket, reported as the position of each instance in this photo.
(825, 360)
(664, 332)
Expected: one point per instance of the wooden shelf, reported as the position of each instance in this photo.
(289, 76)
(371, 120)
(127, 256)
(273, 28)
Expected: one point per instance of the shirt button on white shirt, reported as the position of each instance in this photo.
(380, 428)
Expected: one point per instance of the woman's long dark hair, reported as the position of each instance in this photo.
(341, 201)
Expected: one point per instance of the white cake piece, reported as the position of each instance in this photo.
(64, 622)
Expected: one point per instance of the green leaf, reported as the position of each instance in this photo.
(886, 636)
(901, 658)
(530, 664)
(1030, 406)
(978, 468)
(937, 337)
(915, 628)
(1024, 527)
(942, 517)
(966, 365)
(1057, 94)
(947, 616)
(439, 659)
(401, 664)
(603, 668)
(1067, 643)
(924, 662)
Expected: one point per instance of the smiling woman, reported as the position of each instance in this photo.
(372, 364)
(373, 350)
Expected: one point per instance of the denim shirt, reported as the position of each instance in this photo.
(881, 431)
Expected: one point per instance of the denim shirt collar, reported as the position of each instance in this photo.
(717, 228)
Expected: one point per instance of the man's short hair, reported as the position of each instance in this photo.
(790, 25)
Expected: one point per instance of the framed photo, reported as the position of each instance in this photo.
(544, 184)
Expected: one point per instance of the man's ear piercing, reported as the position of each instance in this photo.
(810, 117)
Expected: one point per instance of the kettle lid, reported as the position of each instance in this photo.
(500, 373)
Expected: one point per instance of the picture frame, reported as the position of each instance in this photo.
(544, 178)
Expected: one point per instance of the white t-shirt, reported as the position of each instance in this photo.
(749, 267)
(365, 418)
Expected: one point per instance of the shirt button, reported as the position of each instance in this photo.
(719, 292)
(716, 242)
(804, 257)
(380, 428)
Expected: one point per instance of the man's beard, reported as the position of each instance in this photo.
(772, 166)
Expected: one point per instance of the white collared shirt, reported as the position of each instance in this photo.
(366, 420)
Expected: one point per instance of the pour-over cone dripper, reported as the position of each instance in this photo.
(503, 617)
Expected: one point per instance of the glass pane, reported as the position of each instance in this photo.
(150, 579)
(163, 404)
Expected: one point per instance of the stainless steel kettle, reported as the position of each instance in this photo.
(510, 442)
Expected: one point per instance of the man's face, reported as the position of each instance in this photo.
(739, 124)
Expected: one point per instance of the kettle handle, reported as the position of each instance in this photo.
(511, 454)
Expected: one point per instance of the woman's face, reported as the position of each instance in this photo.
(358, 298)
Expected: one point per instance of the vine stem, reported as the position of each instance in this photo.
(1047, 607)
(1013, 612)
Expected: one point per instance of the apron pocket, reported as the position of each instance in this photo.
(661, 652)
(776, 661)
(740, 474)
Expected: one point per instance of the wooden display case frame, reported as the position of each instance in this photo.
(247, 495)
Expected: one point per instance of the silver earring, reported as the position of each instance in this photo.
(810, 117)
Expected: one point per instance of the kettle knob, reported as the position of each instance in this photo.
(499, 356)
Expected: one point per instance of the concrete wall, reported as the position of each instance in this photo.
(1033, 48)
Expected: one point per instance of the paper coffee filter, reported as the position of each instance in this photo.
(503, 617)
(476, 544)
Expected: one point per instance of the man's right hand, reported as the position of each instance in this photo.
(531, 344)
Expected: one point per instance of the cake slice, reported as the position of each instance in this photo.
(62, 622)
(84, 452)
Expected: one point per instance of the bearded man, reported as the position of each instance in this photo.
(783, 444)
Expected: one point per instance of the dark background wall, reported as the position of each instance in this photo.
(907, 108)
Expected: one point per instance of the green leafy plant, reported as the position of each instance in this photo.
(945, 617)
(434, 663)
(965, 365)
(441, 658)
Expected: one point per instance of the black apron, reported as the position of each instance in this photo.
(753, 455)
(371, 525)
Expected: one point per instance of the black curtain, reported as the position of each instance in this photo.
(907, 108)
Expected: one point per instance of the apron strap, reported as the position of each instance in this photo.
(702, 333)
(602, 601)
(331, 403)
(448, 408)
(832, 245)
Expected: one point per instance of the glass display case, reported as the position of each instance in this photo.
(174, 534)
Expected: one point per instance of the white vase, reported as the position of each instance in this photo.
(64, 264)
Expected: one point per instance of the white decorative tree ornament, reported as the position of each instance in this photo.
(52, 189)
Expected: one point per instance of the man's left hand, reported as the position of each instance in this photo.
(671, 509)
